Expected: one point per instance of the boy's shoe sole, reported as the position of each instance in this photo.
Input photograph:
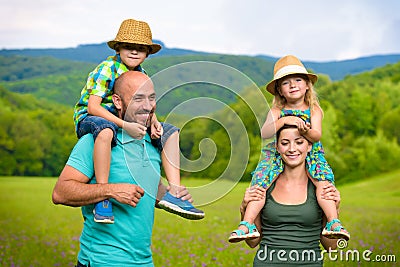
(103, 219)
(172, 208)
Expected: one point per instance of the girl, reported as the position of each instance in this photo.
(295, 103)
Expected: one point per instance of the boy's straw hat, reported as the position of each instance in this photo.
(135, 32)
(285, 66)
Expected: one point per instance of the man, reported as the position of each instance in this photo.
(133, 184)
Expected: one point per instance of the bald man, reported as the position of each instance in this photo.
(133, 184)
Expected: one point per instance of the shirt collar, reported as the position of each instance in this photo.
(124, 138)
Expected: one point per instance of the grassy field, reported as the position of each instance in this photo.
(34, 232)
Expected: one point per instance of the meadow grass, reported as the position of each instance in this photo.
(34, 232)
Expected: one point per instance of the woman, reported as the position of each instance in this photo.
(291, 220)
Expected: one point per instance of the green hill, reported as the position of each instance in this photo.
(62, 80)
(360, 127)
(95, 53)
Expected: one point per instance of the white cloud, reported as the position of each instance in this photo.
(312, 30)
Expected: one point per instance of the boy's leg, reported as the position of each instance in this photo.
(170, 157)
(102, 155)
(101, 160)
(104, 134)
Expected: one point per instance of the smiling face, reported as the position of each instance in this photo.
(292, 147)
(132, 55)
(134, 97)
(142, 105)
(293, 87)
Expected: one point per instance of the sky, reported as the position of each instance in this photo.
(311, 30)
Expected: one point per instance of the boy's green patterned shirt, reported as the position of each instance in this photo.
(100, 82)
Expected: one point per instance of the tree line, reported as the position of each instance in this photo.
(361, 134)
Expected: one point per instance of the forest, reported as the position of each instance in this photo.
(361, 126)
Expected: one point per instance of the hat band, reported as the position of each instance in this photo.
(290, 69)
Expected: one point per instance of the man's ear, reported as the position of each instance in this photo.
(117, 101)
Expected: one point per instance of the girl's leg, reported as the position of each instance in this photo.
(329, 207)
(246, 228)
(252, 210)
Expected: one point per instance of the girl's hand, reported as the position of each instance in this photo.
(293, 120)
(253, 193)
(134, 129)
(304, 128)
(299, 123)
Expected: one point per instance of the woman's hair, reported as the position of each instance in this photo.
(310, 98)
(284, 127)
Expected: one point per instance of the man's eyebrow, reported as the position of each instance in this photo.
(138, 95)
(143, 95)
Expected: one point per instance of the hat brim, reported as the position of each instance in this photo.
(154, 48)
(271, 85)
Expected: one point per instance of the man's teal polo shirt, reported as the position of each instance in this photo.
(127, 241)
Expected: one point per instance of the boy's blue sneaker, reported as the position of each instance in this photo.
(180, 207)
(103, 212)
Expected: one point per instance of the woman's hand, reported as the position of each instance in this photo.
(330, 192)
(252, 193)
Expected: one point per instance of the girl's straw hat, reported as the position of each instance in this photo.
(285, 66)
(135, 32)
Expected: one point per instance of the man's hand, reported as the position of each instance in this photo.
(134, 129)
(183, 193)
(126, 193)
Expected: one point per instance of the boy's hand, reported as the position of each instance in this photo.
(134, 129)
(156, 128)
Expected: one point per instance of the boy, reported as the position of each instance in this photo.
(95, 113)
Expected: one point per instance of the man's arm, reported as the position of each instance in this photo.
(73, 190)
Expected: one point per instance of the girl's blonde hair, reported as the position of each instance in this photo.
(310, 98)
